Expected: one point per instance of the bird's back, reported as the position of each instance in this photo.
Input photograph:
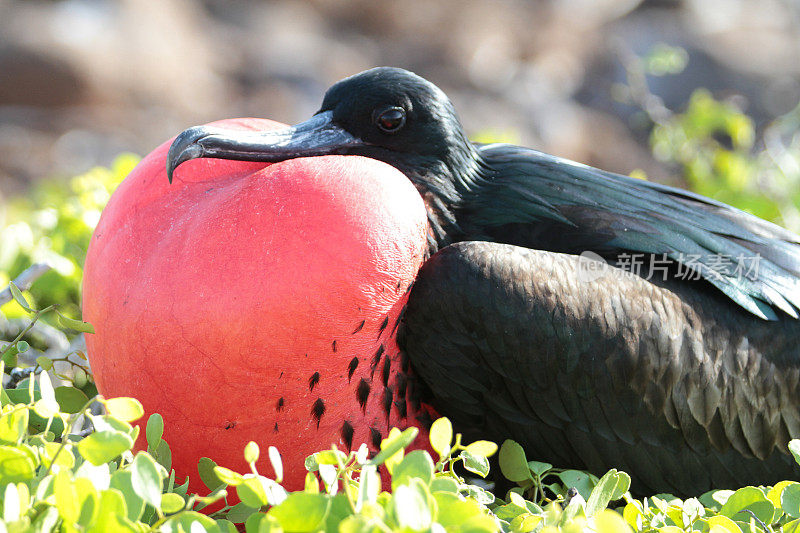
(540, 201)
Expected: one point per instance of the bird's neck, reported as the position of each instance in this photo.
(444, 183)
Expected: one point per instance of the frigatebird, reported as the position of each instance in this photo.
(529, 320)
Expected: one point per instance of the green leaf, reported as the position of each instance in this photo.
(70, 399)
(251, 452)
(441, 436)
(482, 448)
(610, 487)
(749, 498)
(23, 346)
(417, 464)
(110, 423)
(257, 491)
(513, 462)
(325, 457)
(45, 362)
(171, 503)
(112, 515)
(155, 430)
(14, 425)
(71, 323)
(46, 521)
(411, 509)
(239, 513)
(190, 522)
(391, 446)
(121, 480)
(15, 465)
(477, 464)
(63, 459)
(721, 523)
(339, 510)
(45, 409)
(103, 446)
(145, 479)
(19, 298)
(583, 482)
(607, 521)
(66, 497)
(163, 455)
(301, 511)
(262, 523)
(575, 508)
(311, 482)
(623, 484)
(125, 409)
(528, 522)
(538, 468)
(444, 484)
(455, 514)
(88, 501)
(479, 494)
(9, 357)
(205, 467)
(227, 476)
(226, 526)
(794, 447)
(790, 500)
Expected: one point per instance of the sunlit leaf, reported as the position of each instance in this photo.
(19, 297)
(441, 436)
(71, 323)
(145, 479)
(103, 446)
(125, 409)
(251, 452)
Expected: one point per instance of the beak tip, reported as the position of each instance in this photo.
(185, 147)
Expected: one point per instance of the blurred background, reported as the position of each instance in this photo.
(696, 93)
(83, 80)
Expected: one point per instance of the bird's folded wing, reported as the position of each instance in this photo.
(545, 202)
(675, 385)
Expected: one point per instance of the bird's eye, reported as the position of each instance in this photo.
(392, 119)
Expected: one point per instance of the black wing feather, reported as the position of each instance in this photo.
(540, 201)
(618, 372)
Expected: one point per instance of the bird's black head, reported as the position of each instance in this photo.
(401, 118)
(384, 113)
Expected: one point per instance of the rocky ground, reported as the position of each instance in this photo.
(82, 80)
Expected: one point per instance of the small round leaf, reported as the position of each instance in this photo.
(126, 409)
(103, 446)
(251, 452)
(441, 436)
(513, 462)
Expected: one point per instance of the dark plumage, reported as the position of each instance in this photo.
(687, 384)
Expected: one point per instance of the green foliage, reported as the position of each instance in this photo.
(55, 475)
(718, 149)
(53, 224)
(60, 480)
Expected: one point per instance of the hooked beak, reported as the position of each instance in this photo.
(316, 136)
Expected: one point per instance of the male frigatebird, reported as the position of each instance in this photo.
(682, 372)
